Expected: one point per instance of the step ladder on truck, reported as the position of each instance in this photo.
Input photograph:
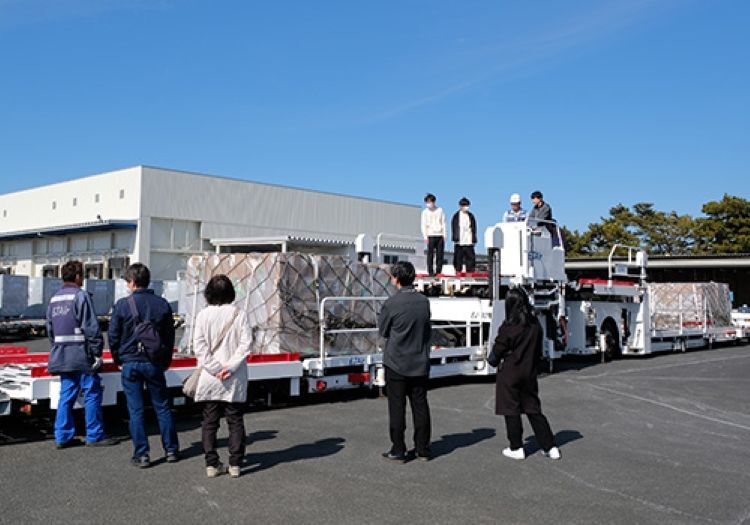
(529, 255)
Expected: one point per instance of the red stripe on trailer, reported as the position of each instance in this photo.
(183, 362)
(363, 377)
(285, 357)
(41, 371)
(23, 359)
(13, 350)
(473, 275)
(605, 282)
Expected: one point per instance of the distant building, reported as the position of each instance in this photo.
(160, 217)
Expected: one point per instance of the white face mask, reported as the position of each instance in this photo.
(464, 208)
(431, 205)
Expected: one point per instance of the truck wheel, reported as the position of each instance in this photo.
(611, 348)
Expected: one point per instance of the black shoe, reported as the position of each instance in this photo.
(75, 442)
(424, 456)
(141, 462)
(106, 442)
(396, 458)
(172, 457)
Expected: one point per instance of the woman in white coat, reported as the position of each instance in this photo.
(222, 342)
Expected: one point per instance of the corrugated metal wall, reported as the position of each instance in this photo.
(237, 208)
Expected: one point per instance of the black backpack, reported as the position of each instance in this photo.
(149, 340)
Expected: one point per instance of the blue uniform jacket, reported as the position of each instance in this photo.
(76, 357)
(122, 339)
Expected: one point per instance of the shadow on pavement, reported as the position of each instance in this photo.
(265, 460)
(196, 448)
(450, 442)
(562, 438)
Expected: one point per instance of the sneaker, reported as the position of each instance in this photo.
(106, 442)
(212, 472)
(172, 457)
(141, 462)
(234, 471)
(75, 442)
(553, 453)
(514, 454)
(395, 458)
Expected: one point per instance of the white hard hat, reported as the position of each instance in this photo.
(515, 199)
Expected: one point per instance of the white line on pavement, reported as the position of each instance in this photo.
(661, 404)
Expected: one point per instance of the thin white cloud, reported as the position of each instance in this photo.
(501, 61)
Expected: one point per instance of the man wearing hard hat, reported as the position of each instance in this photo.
(515, 213)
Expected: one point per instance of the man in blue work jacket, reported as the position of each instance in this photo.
(76, 355)
(138, 370)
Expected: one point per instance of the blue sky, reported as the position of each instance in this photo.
(592, 102)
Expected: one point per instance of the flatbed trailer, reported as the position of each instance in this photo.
(619, 316)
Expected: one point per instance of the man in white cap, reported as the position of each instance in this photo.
(515, 213)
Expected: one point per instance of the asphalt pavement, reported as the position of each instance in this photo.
(656, 440)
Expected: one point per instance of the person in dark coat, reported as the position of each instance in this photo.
(405, 322)
(138, 370)
(464, 228)
(516, 351)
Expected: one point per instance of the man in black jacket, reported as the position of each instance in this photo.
(405, 322)
(464, 228)
(137, 368)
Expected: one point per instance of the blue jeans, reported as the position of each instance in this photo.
(71, 384)
(134, 376)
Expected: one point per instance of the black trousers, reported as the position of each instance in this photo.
(541, 427)
(212, 412)
(399, 388)
(436, 250)
(464, 255)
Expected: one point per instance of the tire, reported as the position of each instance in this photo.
(612, 348)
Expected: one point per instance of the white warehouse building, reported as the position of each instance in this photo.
(160, 217)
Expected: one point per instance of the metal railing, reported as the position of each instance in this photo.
(322, 321)
(633, 260)
(323, 330)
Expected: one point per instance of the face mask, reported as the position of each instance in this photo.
(464, 208)
(431, 205)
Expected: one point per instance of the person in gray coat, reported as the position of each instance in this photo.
(405, 322)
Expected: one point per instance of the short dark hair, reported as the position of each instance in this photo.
(70, 270)
(219, 290)
(139, 274)
(404, 273)
(430, 198)
(537, 195)
(464, 202)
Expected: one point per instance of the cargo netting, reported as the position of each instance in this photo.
(281, 294)
(689, 305)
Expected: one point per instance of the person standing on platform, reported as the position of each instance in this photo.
(464, 228)
(434, 233)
